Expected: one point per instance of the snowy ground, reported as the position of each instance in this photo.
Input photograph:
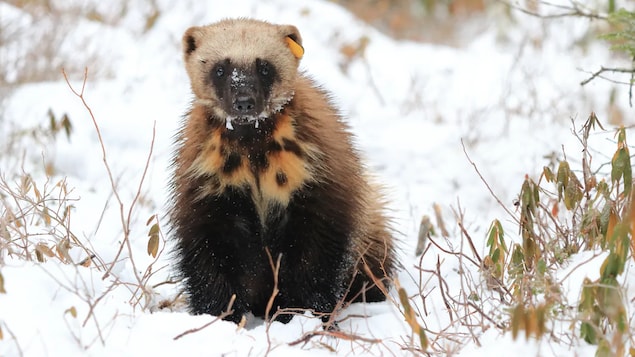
(508, 95)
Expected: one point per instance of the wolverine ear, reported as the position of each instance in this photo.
(189, 40)
(293, 39)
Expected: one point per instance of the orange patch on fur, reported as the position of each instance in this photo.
(284, 129)
(239, 177)
(211, 161)
(210, 156)
(286, 174)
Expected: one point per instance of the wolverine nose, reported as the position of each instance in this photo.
(244, 104)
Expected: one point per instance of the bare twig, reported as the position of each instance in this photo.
(86, 298)
(125, 217)
(581, 264)
(511, 214)
(469, 239)
(607, 69)
(565, 11)
(80, 94)
(443, 294)
(332, 333)
(603, 69)
(453, 253)
(15, 339)
(226, 313)
(275, 268)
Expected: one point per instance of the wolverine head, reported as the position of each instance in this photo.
(243, 69)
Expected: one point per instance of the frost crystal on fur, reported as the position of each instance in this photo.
(228, 123)
(238, 78)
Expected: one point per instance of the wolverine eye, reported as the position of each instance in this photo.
(220, 68)
(263, 68)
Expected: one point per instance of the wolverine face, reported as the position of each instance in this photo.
(244, 70)
(244, 91)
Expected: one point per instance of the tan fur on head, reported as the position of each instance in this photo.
(242, 41)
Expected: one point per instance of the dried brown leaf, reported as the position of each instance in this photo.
(411, 317)
(38, 195)
(425, 228)
(153, 245)
(440, 222)
(72, 310)
(44, 249)
(46, 216)
(86, 262)
(39, 256)
(154, 230)
(62, 248)
(2, 290)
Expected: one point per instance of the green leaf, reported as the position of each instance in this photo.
(66, 124)
(495, 236)
(549, 176)
(605, 216)
(610, 267)
(572, 192)
(587, 332)
(517, 255)
(528, 201)
(496, 255)
(628, 174)
(587, 298)
(541, 267)
(604, 348)
(619, 164)
(562, 178)
(491, 237)
(622, 321)
(52, 121)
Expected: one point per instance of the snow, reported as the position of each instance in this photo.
(228, 122)
(238, 78)
(420, 113)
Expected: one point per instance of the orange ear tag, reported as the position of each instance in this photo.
(296, 49)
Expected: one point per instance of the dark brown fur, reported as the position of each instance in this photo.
(290, 186)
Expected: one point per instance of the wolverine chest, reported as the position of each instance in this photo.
(269, 163)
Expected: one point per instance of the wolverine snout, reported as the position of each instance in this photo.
(244, 103)
(245, 98)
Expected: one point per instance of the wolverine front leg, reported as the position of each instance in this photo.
(215, 297)
(221, 256)
(311, 278)
(311, 286)
(212, 289)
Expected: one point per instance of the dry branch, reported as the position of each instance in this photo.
(226, 313)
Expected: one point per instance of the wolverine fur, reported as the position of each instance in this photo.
(264, 167)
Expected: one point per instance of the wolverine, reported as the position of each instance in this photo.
(270, 200)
